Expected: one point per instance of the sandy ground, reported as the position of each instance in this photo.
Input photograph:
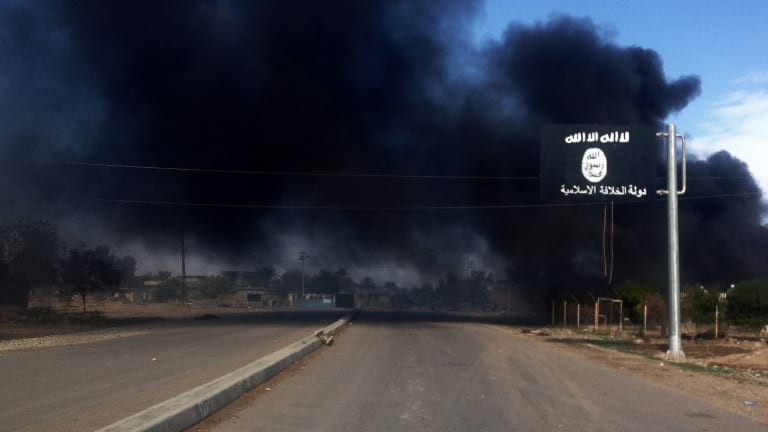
(61, 324)
(730, 373)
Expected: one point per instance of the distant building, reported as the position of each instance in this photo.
(242, 278)
(194, 281)
(253, 297)
(250, 290)
(139, 295)
(500, 297)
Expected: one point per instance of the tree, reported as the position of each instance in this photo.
(290, 282)
(658, 311)
(367, 284)
(323, 283)
(127, 268)
(449, 289)
(28, 258)
(390, 287)
(747, 304)
(162, 275)
(477, 287)
(699, 304)
(423, 295)
(89, 270)
(635, 295)
(214, 286)
(169, 288)
(343, 281)
(266, 277)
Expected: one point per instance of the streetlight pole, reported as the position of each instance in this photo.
(302, 256)
(509, 295)
(184, 266)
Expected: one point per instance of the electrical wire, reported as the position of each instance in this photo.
(728, 195)
(294, 173)
(329, 174)
(391, 208)
(610, 273)
(716, 177)
(329, 207)
(605, 223)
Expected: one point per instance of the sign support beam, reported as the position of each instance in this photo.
(675, 349)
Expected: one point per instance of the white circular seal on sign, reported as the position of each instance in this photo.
(594, 165)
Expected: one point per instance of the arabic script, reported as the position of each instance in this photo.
(604, 190)
(593, 137)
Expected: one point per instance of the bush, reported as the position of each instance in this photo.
(89, 318)
(215, 286)
(635, 295)
(747, 304)
(169, 289)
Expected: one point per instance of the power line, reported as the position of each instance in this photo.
(717, 177)
(395, 208)
(729, 195)
(328, 207)
(334, 174)
(294, 173)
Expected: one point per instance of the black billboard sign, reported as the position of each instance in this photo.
(597, 162)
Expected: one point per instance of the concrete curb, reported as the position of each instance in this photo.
(188, 408)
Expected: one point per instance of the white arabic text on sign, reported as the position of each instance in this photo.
(605, 190)
(591, 137)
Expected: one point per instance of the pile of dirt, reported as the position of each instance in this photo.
(122, 309)
(757, 359)
(747, 353)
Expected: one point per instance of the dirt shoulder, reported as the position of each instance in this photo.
(731, 374)
(59, 324)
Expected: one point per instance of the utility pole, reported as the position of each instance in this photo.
(509, 295)
(553, 313)
(183, 265)
(578, 315)
(565, 311)
(675, 350)
(717, 318)
(302, 256)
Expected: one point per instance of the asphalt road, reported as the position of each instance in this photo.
(88, 386)
(451, 376)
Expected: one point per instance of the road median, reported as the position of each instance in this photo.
(188, 408)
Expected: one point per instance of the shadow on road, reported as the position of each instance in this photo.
(414, 316)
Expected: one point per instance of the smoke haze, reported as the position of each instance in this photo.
(346, 87)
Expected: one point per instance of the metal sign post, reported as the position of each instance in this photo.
(583, 162)
(675, 350)
(589, 162)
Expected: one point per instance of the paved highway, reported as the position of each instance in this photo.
(389, 376)
(88, 386)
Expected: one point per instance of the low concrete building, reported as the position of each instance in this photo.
(250, 292)
(253, 297)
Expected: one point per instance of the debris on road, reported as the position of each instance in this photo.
(537, 332)
(327, 339)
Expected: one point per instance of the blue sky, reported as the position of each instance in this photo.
(723, 42)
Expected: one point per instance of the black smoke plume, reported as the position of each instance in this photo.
(345, 87)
